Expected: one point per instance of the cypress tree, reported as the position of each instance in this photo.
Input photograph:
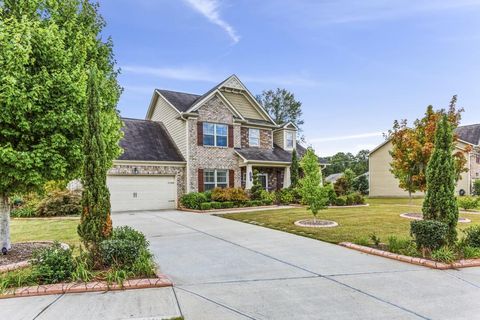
(294, 169)
(440, 203)
(96, 223)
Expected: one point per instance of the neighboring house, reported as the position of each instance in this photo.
(194, 142)
(333, 177)
(384, 184)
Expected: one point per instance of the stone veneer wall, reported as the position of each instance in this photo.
(266, 138)
(204, 157)
(177, 171)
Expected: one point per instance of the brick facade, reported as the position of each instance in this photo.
(266, 138)
(165, 170)
(206, 157)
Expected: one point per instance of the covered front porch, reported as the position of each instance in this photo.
(272, 176)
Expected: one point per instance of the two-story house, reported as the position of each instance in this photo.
(192, 142)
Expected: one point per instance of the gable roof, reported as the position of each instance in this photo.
(180, 100)
(146, 140)
(470, 133)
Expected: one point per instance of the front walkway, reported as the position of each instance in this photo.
(225, 269)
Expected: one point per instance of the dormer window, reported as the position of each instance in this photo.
(289, 140)
(253, 137)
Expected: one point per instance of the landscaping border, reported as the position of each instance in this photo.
(94, 286)
(464, 263)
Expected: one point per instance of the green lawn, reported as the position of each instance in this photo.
(61, 229)
(381, 217)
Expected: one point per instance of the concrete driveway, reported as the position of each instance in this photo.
(225, 269)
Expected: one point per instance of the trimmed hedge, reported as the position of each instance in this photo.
(193, 200)
(472, 238)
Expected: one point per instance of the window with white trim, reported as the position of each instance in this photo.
(215, 134)
(213, 178)
(253, 137)
(289, 139)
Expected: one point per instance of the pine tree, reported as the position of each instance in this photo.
(96, 223)
(294, 169)
(440, 203)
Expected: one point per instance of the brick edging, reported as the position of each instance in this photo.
(464, 263)
(75, 287)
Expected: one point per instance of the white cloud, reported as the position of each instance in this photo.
(347, 137)
(210, 10)
(178, 73)
(187, 73)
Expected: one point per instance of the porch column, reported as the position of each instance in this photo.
(286, 178)
(249, 177)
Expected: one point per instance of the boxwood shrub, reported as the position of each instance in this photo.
(193, 200)
(206, 206)
(429, 234)
(472, 238)
(123, 248)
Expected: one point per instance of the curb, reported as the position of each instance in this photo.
(95, 286)
(464, 263)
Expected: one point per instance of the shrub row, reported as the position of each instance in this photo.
(468, 202)
(231, 204)
(348, 200)
(56, 203)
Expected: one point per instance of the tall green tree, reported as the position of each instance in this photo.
(412, 148)
(282, 106)
(96, 223)
(294, 169)
(440, 202)
(46, 47)
(342, 161)
(311, 189)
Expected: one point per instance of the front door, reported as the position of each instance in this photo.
(263, 177)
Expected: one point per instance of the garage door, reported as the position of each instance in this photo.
(134, 193)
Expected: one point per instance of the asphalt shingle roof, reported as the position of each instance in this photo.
(180, 100)
(469, 133)
(146, 140)
(275, 155)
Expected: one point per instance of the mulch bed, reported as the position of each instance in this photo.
(310, 223)
(419, 216)
(22, 251)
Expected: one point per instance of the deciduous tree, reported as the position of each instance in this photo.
(313, 194)
(45, 48)
(413, 147)
(282, 106)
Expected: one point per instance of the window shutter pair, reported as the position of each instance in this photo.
(200, 134)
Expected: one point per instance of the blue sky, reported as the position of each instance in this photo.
(355, 65)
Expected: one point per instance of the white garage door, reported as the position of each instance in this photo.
(132, 193)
